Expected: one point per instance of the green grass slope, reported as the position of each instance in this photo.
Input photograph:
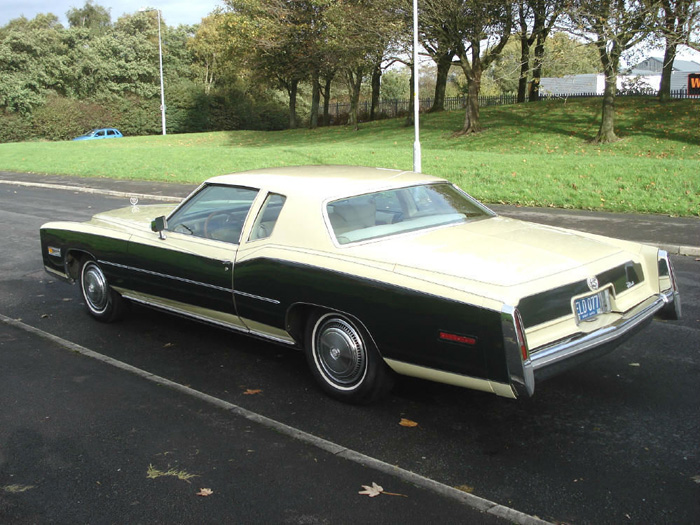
(529, 154)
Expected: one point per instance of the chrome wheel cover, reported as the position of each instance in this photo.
(95, 288)
(339, 353)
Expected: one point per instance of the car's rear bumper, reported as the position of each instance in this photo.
(558, 357)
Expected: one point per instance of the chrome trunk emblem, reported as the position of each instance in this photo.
(592, 283)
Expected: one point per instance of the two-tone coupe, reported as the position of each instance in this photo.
(371, 272)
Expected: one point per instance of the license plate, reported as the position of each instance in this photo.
(589, 307)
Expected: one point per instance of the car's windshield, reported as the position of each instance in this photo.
(401, 210)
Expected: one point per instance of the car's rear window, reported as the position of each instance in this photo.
(401, 210)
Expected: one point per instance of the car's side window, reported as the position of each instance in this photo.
(215, 212)
(267, 217)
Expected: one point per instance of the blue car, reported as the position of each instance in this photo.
(102, 133)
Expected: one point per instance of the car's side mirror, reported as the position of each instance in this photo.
(159, 225)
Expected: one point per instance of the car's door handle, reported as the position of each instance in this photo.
(227, 265)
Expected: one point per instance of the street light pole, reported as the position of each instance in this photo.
(416, 99)
(160, 63)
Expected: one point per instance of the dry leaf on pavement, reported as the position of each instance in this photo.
(407, 423)
(252, 392)
(375, 490)
(205, 492)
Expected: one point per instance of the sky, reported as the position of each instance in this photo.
(175, 12)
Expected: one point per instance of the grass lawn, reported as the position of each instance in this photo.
(529, 154)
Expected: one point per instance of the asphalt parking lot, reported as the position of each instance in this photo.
(614, 442)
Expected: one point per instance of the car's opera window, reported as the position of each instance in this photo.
(215, 212)
(267, 217)
(402, 210)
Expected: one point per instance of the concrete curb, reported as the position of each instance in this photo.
(467, 499)
(83, 189)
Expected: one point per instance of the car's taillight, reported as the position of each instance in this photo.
(520, 334)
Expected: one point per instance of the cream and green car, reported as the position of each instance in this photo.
(371, 272)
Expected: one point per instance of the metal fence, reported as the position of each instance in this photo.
(338, 111)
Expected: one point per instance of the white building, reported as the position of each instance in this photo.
(644, 76)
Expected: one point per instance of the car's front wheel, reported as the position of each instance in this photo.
(344, 360)
(102, 302)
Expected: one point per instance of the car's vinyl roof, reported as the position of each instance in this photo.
(325, 180)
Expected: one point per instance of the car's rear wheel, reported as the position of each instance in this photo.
(102, 302)
(344, 360)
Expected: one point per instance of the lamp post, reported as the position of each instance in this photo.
(416, 99)
(160, 63)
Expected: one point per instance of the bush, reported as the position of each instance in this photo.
(15, 127)
(63, 118)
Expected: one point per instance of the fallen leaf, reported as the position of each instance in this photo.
(16, 489)
(465, 488)
(205, 492)
(45, 316)
(635, 364)
(154, 473)
(375, 490)
(696, 479)
(407, 423)
(252, 392)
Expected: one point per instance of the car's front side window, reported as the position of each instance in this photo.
(215, 212)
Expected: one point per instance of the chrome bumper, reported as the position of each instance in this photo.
(553, 359)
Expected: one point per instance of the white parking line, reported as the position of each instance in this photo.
(470, 500)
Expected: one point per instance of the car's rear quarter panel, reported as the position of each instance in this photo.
(404, 322)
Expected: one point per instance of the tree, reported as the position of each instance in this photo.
(614, 26)
(543, 15)
(93, 17)
(478, 32)
(435, 40)
(675, 23)
(563, 55)
(361, 32)
(208, 49)
(32, 63)
(278, 39)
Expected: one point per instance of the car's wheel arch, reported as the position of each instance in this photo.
(75, 258)
(299, 314)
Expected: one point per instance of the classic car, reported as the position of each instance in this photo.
(371, 272)
(101, 133)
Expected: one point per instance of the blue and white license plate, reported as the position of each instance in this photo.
(589, 307)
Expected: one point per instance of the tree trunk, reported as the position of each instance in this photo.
(524, 67)
(606, 133)
(315, 99)
(472, 123)
(537, 69)
(376, 90)
(327, 101)
(293, 103)
(444, 63)
(665, 85)
(354, 79)
(411, 100)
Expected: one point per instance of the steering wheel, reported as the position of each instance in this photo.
(213, 214)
